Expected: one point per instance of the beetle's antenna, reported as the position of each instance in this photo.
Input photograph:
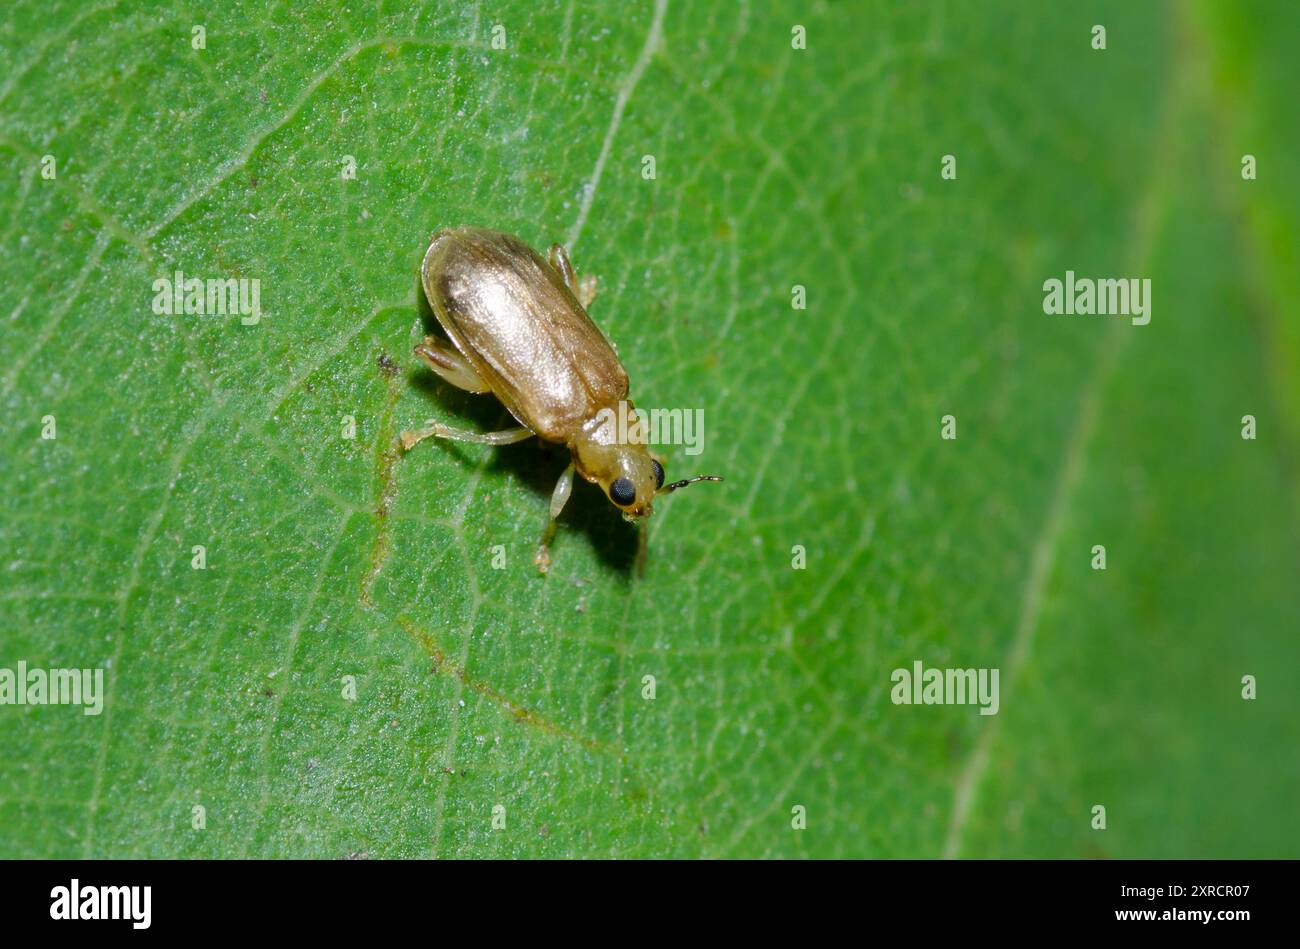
(669, 488)
(642, 548)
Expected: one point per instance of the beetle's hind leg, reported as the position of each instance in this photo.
(504, 437)
(585, 288)
(447, 362)
(542, 559)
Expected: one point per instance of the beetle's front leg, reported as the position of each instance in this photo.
(558, 499)
(583, 288)
(506, 437)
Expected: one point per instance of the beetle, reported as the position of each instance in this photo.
(519, 329)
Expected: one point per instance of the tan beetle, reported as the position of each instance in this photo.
(519, 329)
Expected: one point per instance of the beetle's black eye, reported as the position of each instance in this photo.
(659, 474)
(622, 492)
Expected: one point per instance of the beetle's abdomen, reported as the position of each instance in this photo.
(512, 316)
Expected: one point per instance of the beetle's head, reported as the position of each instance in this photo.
(638, 478)
(628, 474)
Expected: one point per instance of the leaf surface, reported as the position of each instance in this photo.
(329, 560)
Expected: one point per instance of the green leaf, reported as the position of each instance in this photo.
(331, 560)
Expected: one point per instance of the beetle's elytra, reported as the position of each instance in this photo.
(519, 329)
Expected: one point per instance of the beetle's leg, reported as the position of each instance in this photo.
(447, 362)
(558, 498)
(563, 266)
(506, 437)
(585, 288)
